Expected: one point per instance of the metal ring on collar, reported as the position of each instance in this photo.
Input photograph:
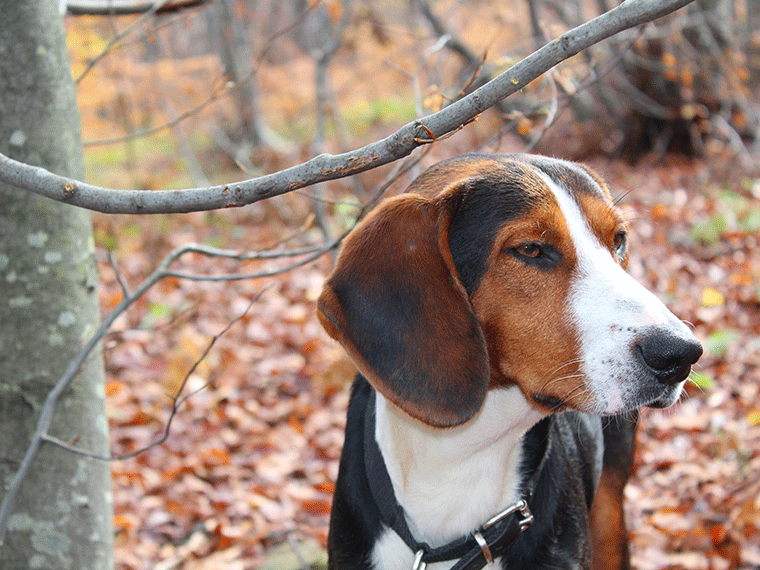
(418, 563)
(483, 546)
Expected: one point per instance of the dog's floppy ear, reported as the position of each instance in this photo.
(395, 303)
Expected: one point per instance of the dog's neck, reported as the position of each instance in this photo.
(450, 481)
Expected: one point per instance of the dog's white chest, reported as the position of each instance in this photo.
(450, 481)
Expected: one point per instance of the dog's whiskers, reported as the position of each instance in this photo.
(565, 365)
(556, 379)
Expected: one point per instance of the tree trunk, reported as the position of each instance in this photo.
(237, 61)
(48, 306)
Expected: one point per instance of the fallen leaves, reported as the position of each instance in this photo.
(253, 452)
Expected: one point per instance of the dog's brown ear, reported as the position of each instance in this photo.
(395, 303)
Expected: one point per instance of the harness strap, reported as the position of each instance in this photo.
(474, 551)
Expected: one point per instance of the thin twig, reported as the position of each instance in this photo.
(551, 116)
(446, 38)
(556, 98)
(218, 94)
(117, 273)
(114, 40)
(330, 246)
(178, 399)
(322, 58)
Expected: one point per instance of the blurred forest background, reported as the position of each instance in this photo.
(226, 90)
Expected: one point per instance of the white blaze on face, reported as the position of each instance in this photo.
(609, 310)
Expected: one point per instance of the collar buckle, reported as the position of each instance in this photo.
(525, 520)
(521, 506)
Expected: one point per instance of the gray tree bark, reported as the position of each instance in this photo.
(48, 307)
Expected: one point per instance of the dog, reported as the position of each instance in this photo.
(503, 352)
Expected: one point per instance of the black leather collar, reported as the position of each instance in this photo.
(473, 551)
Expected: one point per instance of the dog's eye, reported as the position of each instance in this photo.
(621, 244)
(539, 254)
(530, 250)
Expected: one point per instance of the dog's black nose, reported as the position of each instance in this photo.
(669, 357)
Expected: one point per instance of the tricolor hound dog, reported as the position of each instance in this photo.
(493, 324)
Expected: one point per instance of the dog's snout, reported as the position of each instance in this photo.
(669, 357)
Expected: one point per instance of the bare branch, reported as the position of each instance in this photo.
(126, 7)
(329, 246)
(178, 399)
(330, 167)
(119, 278)
(155, 7)
(43, 423)
(450, 41)
(550, 117)
(322, 56)
(216, 93)
(594, 79)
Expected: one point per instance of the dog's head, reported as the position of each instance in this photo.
(500, 270)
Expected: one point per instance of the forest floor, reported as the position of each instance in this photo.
(249, 467)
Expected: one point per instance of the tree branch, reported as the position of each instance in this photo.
(330, 167)
(452, 42)
(155, 7)
(126, 7)
(177, 400)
